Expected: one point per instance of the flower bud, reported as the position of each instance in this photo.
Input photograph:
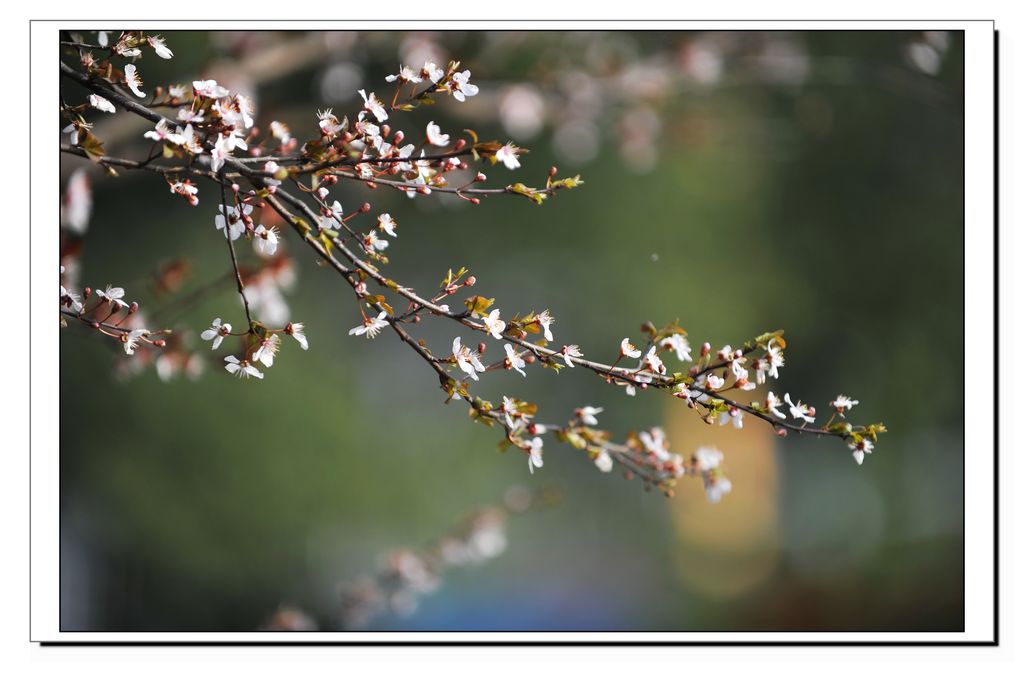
(781, 432)
(475, 201)
(160, 343)
(399, 136)
(480, 177)
(234, 187)
(365, 208)
(705, 349)
(530, 359)
(385, 130)
(481, 348)
(471, 280)
(553, 171)
(87, 292)
(459, 144)
(133, 308)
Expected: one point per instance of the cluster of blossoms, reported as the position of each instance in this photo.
(106, 312)
(645, 455)
(405, 576)
(213, 125)
(262, 345)
(235, 221)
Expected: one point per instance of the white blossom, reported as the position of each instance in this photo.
(493, 323)
(654, 442)
(162, 133)
(652, 361)
(217, 332)
(209, 88)
(715, 487)
(101, 103)
(374, 106)
(799, 411)
(508, 406)
(733, 415)
(281, 132)
(69, 299)
(131, 340)
(708, 458)
(603, 461)
(536, 457)
(76, 205)
(712, 381)
(508, 154)
(241, 368)
(188, 116)
(773, 404)
(432, 72)
(468, 360)
(461, 87)
(843, 403)
(775, 360)
(232, 226)
(405, 74)
(222, 149)
(626, 349)
(267, 350)
(513, 359)
(132, 80)
(189, 139)
(569, 352)
(386, 224)
(372, 243)
(435, 136)
(158, 45)
(371, 326)
(588, 414)
(860, 449)
(112, 295)
(265, 240)
(296, 330)
(328, 122)
(545, 319)
(678, 344)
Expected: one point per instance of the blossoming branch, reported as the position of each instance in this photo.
(210, 139)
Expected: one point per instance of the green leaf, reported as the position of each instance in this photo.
(478, 305)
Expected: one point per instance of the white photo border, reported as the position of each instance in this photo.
(980, 482)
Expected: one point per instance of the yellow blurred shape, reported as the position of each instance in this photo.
(731, 547)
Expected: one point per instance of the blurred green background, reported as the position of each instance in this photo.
(738, 181)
